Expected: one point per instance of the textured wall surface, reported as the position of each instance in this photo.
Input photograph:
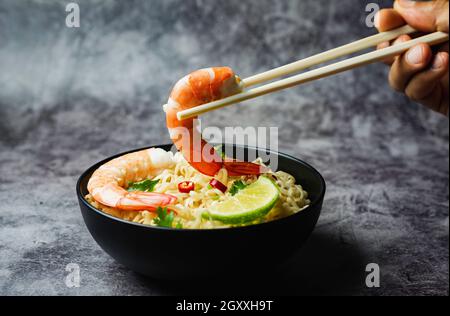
(71, 97)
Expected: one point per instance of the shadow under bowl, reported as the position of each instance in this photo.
(175, 254)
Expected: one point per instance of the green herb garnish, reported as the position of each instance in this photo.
(237, 186)
(164, 218)
(143, 186)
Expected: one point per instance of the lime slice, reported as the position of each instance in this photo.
(249, 204)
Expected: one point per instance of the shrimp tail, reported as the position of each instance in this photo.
(207, 168)
(242, 168)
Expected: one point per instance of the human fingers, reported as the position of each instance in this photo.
(407, 65)
(426, 16)
(401, 39)
(427, 87)
(388, 19)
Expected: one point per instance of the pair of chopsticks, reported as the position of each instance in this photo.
(326, 71)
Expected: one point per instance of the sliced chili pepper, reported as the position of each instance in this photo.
(218, 185)
(186, 186)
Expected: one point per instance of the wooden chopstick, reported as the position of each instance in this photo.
(332, 54)
(326, 71)
(323, 57)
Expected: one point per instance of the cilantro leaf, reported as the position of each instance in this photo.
(237, 186)
(164, 218)
(143, 186)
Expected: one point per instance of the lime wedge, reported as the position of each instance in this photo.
(249, 204)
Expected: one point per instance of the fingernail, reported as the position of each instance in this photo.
(415, 56)
(406, 3)
(401, 39)
(438, 62)
(383, 45)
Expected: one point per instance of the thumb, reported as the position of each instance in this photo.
(424, 16)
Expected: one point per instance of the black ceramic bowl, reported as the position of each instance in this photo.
(184, 254)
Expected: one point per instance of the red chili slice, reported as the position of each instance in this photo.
(186, 187)
(218, 185)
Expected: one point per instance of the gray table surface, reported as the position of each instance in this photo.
(71, 97)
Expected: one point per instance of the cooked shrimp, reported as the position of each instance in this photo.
(198, 88)
(108, 184)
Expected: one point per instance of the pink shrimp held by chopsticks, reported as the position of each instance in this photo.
(200, 87)
(107, 184)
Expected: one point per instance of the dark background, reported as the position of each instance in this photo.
(71, 97)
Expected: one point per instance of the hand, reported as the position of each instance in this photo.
(422, 72)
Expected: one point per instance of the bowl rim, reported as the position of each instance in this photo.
(319, 199)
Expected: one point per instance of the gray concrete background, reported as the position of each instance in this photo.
(71, 97)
